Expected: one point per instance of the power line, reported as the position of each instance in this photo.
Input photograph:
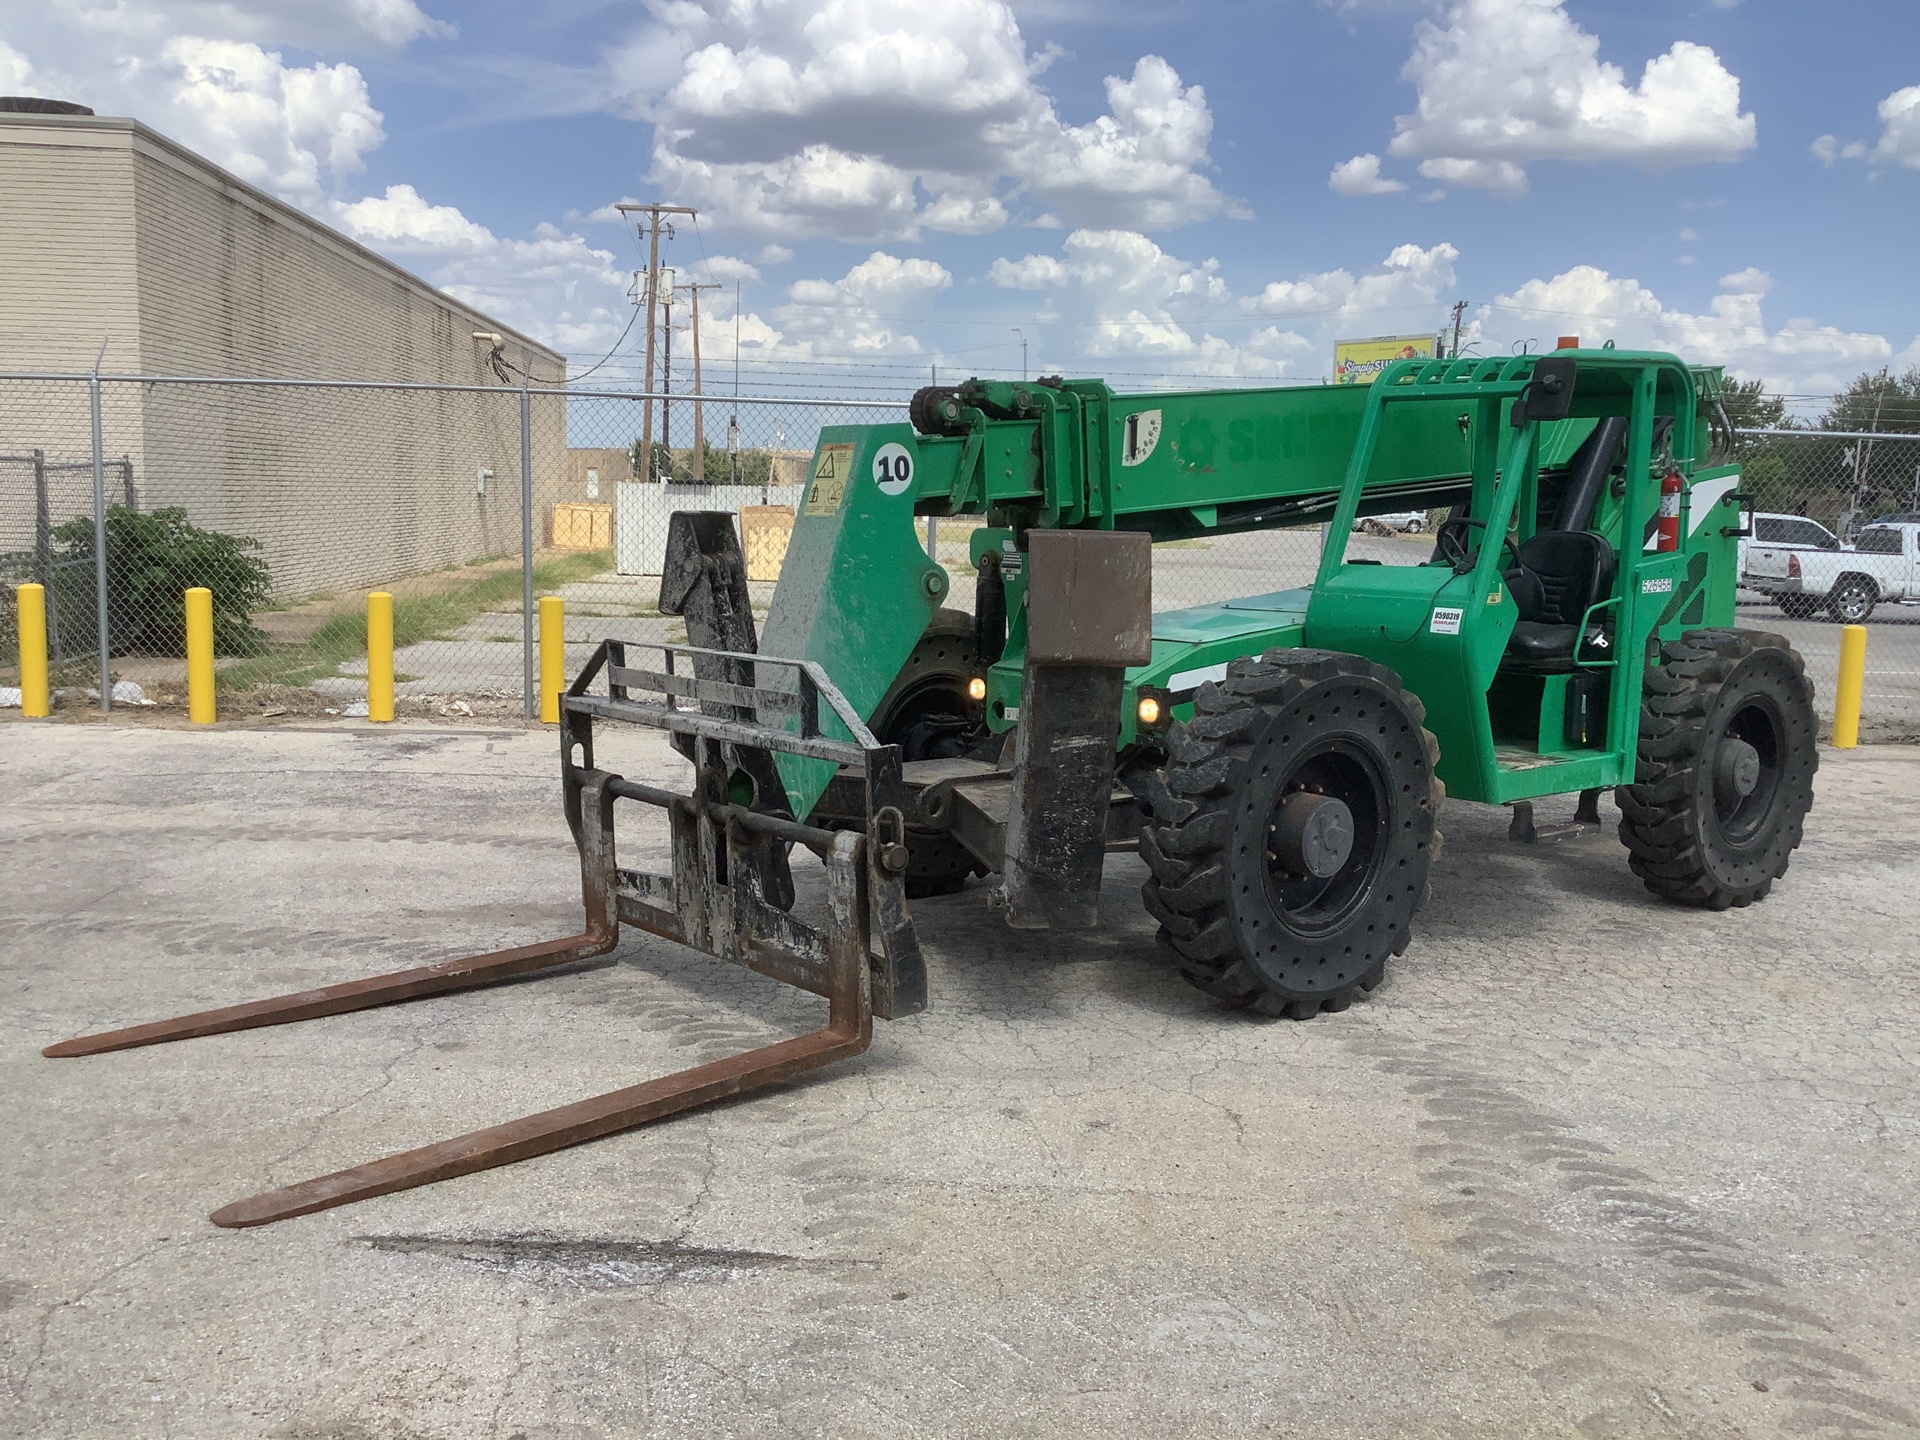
(611, 353)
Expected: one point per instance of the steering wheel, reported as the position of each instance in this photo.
(1450, 543)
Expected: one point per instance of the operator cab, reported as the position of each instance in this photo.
(1564, 569)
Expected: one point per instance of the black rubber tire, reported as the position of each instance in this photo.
(937, 671)
(1852, 599)
(1690, 836)
(1346, 724)
(934, 678)
(1798, 607)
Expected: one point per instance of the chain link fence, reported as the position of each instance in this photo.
(292, 499)
(1835, 522)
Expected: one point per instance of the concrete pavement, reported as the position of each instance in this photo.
(1584, 1166)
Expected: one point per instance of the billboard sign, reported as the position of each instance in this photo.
(1358, 362)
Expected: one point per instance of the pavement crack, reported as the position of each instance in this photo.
(317, 1126)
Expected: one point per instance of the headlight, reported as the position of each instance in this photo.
(1149, 710)
(976, 688)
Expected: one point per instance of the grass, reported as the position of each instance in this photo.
(415, 618)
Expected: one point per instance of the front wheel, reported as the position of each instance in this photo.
(1852, 600)
(928, 713)
(1724, 778)
(1290, 841)
(1798, 607)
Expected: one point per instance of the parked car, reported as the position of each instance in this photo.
(1884, 564)
(1776, 535)
(1407, 522)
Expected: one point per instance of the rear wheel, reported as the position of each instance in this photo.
(1725, 772)
(1852, 600)
(1290, 845)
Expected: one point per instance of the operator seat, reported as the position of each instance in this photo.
(1561, 573)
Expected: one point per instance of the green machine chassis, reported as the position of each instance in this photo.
(858, 588)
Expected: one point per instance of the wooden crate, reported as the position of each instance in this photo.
(579, 525)
(764, 532)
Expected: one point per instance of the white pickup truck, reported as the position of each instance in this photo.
(1884, 564)
(1768, 533)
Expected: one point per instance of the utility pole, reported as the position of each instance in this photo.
(733, 421)
(651, 225)
(666, 378)
(699, 421)
(1023, 352)
(1459, 309)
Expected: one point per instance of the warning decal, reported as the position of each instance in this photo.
(830, 479)
(1139, 433)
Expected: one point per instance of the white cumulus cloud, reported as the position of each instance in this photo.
(208, 76)
(860, 312)
(1412, 279)
(1900, 128)
(1899, 135)
(1361, 176)
(884, 119)
(1504, 83)
(1799, 356)
(1118, 294)
(297, 130)
(554, 285)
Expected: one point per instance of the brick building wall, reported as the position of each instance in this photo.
(111, 229)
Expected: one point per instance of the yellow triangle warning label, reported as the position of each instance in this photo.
(829, 486)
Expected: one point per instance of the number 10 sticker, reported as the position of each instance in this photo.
(893, 469)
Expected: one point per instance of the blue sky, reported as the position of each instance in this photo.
(1145, 190)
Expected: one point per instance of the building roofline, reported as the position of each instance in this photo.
(193, 162)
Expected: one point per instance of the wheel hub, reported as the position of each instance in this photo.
(1313, 835)
(1736, 771)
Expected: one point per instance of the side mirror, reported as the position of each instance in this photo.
(1549, 395)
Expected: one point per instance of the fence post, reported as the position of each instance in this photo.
(30, 614)
(42, 522)
(553, 657)
(200, 701)
(380, 656)
(1847, 694)
(526, 533)
(100, 535)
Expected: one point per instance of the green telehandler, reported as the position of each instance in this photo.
(1278, 761)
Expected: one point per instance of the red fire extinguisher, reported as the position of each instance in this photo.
(1670, 488)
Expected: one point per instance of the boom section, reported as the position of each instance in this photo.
(1177, 464)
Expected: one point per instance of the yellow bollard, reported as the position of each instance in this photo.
(30, 608)
(379, 656)
(200, 706)
(1853, 679)
(553, 657)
